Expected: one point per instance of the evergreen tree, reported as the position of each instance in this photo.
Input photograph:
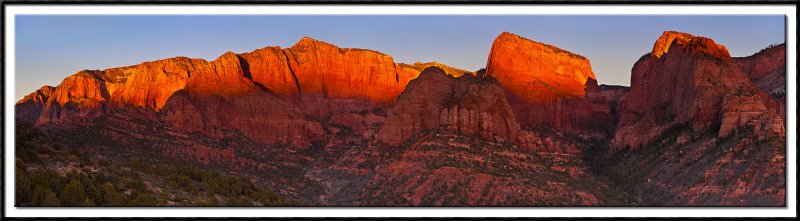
(143, 199)
(87, 202)
(50, 199)
(39, 194)
(73, 194)
(23, 187)
(114, 199)
(111, 197)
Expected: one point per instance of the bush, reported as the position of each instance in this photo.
(50, 199)
(144, 199)
(73, 194)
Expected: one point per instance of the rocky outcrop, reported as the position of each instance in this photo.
(420, 66)
(266, 94)
(445, 169)
(550, 86)
(221, 96)
(323, 68)
(436, 100)
(765, 62)
(78, 98)
(739, 111)
(690, 43)
(767, 70)
(30, 107)
(684, 84)
(613, 93)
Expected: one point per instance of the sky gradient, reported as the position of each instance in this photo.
(50, 48)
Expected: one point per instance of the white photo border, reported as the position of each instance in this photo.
(788, 10)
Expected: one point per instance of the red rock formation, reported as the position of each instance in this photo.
(548, 85)
(77, 98)
(323, 68)
(419, 66)
(690, 43)
(613, 94)
(684, 85)
(767, 70)
(765, 62)
(270, 68)
(221, 96)
(149, 84)
(207, 97)
(738, 111)
(465, 104)
(29, 108)
(445, 169)
(236, 92)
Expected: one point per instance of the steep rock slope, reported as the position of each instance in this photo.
(30, 107)
(693, 130)
(272, 95)
(466, 104)
(708, 90)
(441, 168)
(613, 94)
(767, 70)
(420, 66)
(226, 98)
(550, 86)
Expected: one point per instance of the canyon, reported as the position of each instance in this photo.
(330, 126)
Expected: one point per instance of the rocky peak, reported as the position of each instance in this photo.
(308, 78)
(420, 66)
(766, 62)
(690, 43)
(680, 88)
(308, 43)
(548, 85)
(436, 100)
(518, 63)
(29, 108)
(511, 38)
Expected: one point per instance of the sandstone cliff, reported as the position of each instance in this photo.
(767, 70)
(549, 86)
(30, 107)
(686, 81)
(465, 104)
(272, 95)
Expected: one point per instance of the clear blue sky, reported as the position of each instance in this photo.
(50, 48)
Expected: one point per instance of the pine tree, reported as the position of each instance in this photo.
(23, 187)
(39, 195)
(113, 198)
(143, 199)
(73, 194)
(87, 202)
(50, 199)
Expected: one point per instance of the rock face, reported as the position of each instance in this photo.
(702, 76)
(420, 66)
(465, 104)
(322, 68)
(613, 93)
(767, 70)
(220, 96)
(550, 86)
(78, 98)
(690, 43)
(442, 168)
(271, 95)
(767, 61)
(696, 127)
(30, 107)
